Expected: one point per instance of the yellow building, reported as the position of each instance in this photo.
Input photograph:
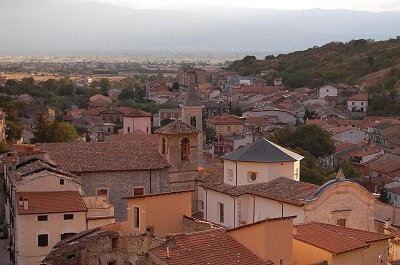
(227, 124)
(163, 211)
(314, 243)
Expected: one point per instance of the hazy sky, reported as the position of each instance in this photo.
(370, 5)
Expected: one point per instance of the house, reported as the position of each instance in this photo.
(226, 124)
(347, 134)
(163, 114)
(44, 205)
(385, 133)
(113, 170)
(358, 103)
(261, 181)
(100, 98)
(278, 81)
(44, 218)
(228, 143)
(328, 90)
(152, 210)
(281, 116)
(137, 120)
(315, 243)
(114, 93)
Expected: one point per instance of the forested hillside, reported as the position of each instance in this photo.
(331, 63)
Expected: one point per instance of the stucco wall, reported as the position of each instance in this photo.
(328, 90)
(344, 200)
(120, 184)
(48, 182)
(350, 258)
(305, 254)
(352, 136)
(266, 171)
(164, 212)
(377, 253)
(28, 228)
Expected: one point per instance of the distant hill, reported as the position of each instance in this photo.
(44, 26)
(355, 62)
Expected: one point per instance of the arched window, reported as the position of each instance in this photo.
(163, 146)
(193, 121)
(185, 149)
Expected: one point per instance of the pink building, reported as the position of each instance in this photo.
(137, 120)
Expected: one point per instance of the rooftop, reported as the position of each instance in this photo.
(212, 247)
(51, 202)
(177, 127)
(262, 150)
(336, 239)
(105, 156)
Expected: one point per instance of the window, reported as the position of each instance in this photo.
(237, 128)
(102, 192)
(221, 128)
(163, 147)
(230, 174)
(66, 235)
(147, 129)
(43, 240)
(281, 262)
(193, 121)
(129, 129)
(341, 222)
(362, 103)
(136, 217)
(109, 130)
(352, 103)
(61, 181)
(69, 216)
(113, 262)
(185, 149)
(252, 176)
(221, 212)
(138, 191)
(201, 205)
(229, 128)
(41, 218)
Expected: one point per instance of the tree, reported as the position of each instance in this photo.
(126, 93)
(349, 171)
(175, 86)
(166, 121)
(310, 138)
(139, 94)
(209, 133)
(14, 130)
(383, 194)
(53, 132)
(3, 147)
(104, 85)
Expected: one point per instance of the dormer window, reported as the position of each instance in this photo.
(252, 176)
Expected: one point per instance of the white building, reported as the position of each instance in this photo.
(348, 134)
(328, 91)
(137, 120)
(358, 103)
(261, 181)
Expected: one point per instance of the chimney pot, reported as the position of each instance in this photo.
(25, 203)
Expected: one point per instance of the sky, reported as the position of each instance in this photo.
(364, 5)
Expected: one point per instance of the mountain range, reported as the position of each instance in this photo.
(43, 25)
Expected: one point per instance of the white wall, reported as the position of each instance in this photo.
(328, 90)
(48, 182)
(351, 136)
(266, 171)
(283, 116)
(359, 104)
(137, 123)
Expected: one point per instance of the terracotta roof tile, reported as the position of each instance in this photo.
(281, 189)
(359, 97)
(105, 156)
(177, 127)
(225, 119)
(137, 113)
(51, 202)
(212, 247)
(336, 239)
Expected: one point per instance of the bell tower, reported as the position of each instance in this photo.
(192, 113)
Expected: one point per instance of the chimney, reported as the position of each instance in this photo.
(21, 201)
(26, 203)
(388, 223)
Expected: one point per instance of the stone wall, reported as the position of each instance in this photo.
(120, 184)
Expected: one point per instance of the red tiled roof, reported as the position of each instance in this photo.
(51, 202)
(212, 247)
(105, 156)
(135, 136)
(359, 97)
(177, 127)
(335, 239)
(137, 113)
(226, 119)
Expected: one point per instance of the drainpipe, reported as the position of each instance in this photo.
(236, 173)
(206, 210)
(150, 182)
(254, 206)
(234, 211)
(282, 207)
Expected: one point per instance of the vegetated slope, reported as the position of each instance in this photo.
(331, 63)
